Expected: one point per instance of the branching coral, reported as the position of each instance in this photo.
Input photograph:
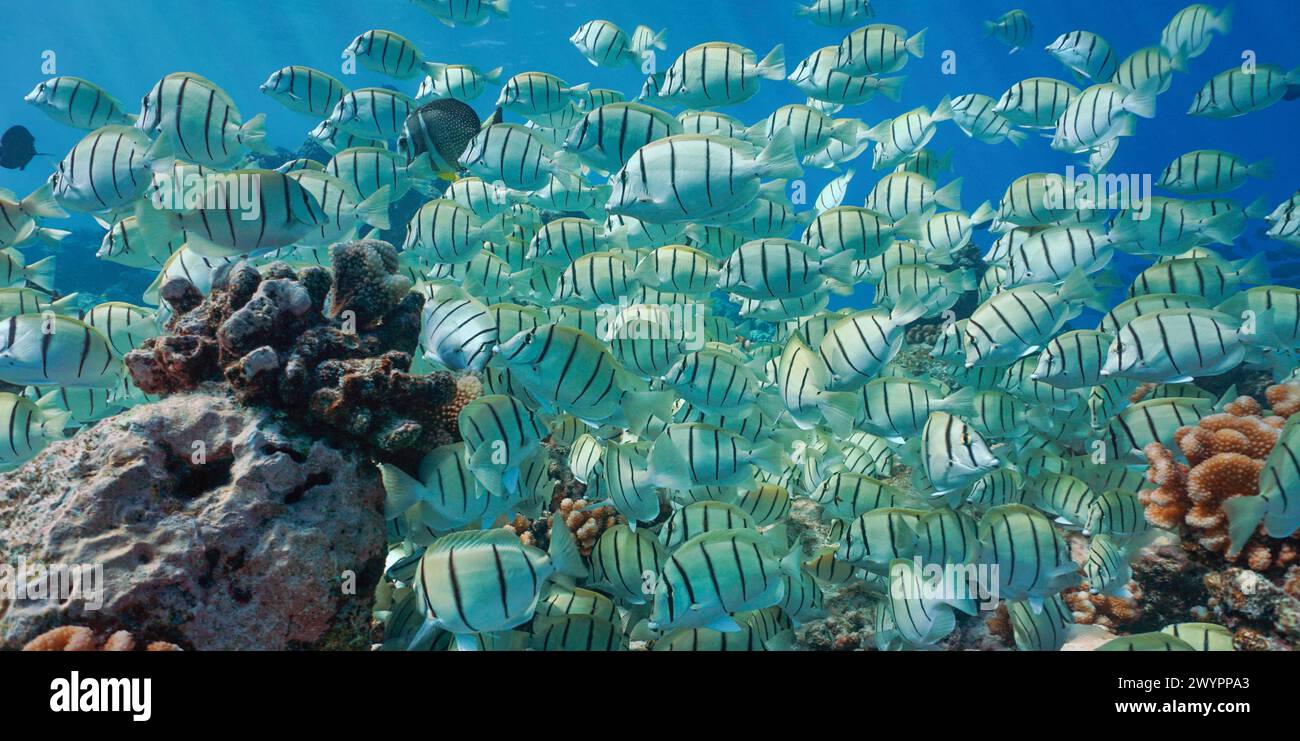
(81, 638)
(267, 334)
(1225, 453)
(1099, 609)
(585, 524)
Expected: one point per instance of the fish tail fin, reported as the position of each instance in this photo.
(564, 552)
(161, 155)
(891, 87)
(54, 424)
(421, 168)
(1258, 208)
(660, 39)
(802, 10)
(1261, 170)
(52, 237)
(1254, 270)
(779, 159)
(772, 66)
(1017, 137)
(846, 130)
(1077, 287)
(493, 74)
(839, 409)
(939, 255)
(960, 403)
(881, 131)
(253, 134)
(640, 406)
(1244, 515)
(949, 196)
(41, 273)
(500, 7)
(1040, 418)
(1223, 19)
(916, 45)
(373, 211)
(1224, 228)
(770, 456)
(942, 111)
(983, 214)
(908, 308)
(402, 490)
(963, 280)
(41, 204)
(1142, 102)
(990, 27)
(66, 306)
(910, 225)
(156, 225)
(839, 267)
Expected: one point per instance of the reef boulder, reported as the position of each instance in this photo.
(217, 526)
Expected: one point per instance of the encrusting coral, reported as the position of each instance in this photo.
(81, 638)
(269, 335)
(1225, 453)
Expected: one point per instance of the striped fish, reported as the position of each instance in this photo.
(459, 81)
(921, 608)
(1116, 513)
(717, 73)
(1086, 54)
(83, 405)
(305, 90)
(947, 537)
(1191, 29)
(597, 278)
(457, 331)
(193, 267)
(560, 600)
(1176, 345)
(1012, 28)
(897, 408)
(577, 633)
(623, 478)
(563, 240)
(1048, 256)
(1202, 636)
(1269, 313)
(711, 122)
(1046, 630)
(818, 78)
(387, 53)
(801, 379)
(334, 140)
(18, 301)
(997, 414)
(1235, 92)
(692, 454)
(124, 325)
(1276, 506)
(124, 245)
(1146, 63)
(1032, 559)
(701, 517)
(775, 268)
(974, 114)
(1063, 495)
(715, 574)
(18, 223)
(608, 136)
(444, 231)
(716, 382)
(858, 346)
(908, 132)
(243, 211)
(1107, 569)
(344, 214)
(835, 13)
(52, 350)
(534, 94)
(1101, 113)
(995, 488)
(953, 454)
(1151, 421)
(1018, 380)
(372, 112)
(1036, 102)
(812, 130)
(678, 268)
(878, 49)
(27, 429)
(200, 121)
(627, 563)
(1073, 359)
(901, 193)
(443, 490)
(108, 169)
(1019, 321)
(1145, 303)
(78, 103)
(855, 229)
(480, 581)
(767, 503)
(471, 13)
(694, 177)
(1211, 171)
(513, 155)
(604, 44)
(369, 169)
(803, 600)
(499, 434)
(848, 496)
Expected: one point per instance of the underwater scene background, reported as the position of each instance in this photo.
(436, 427)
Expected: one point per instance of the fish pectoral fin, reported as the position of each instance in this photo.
(724, 624)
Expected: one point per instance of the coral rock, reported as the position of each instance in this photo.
(217, 528)
(81, 638)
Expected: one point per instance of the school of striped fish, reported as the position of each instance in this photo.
(574, 251)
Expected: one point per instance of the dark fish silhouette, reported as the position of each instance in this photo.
(443, 128)
(17, 148)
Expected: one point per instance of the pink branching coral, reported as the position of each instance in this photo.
(1099, 609)
(81, 638)
(1225, 453)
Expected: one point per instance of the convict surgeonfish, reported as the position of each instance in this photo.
(53, 350)
(108, 169)
(713, 575)
(199, 121)
(27, 429)
(18, 220)
(1012, 28)
(1190, 31)
(1275, 506)
(717, 73)
(305, 90)
(78, 103)
(1033, 559)
(1236, 92)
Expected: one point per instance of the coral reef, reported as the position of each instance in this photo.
(216, 526)
(1114, 613)
(1262, 615)
(585, 524)
(81, 638)
(1225, 453)
(271, 337)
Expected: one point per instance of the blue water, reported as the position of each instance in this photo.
(125, 46)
